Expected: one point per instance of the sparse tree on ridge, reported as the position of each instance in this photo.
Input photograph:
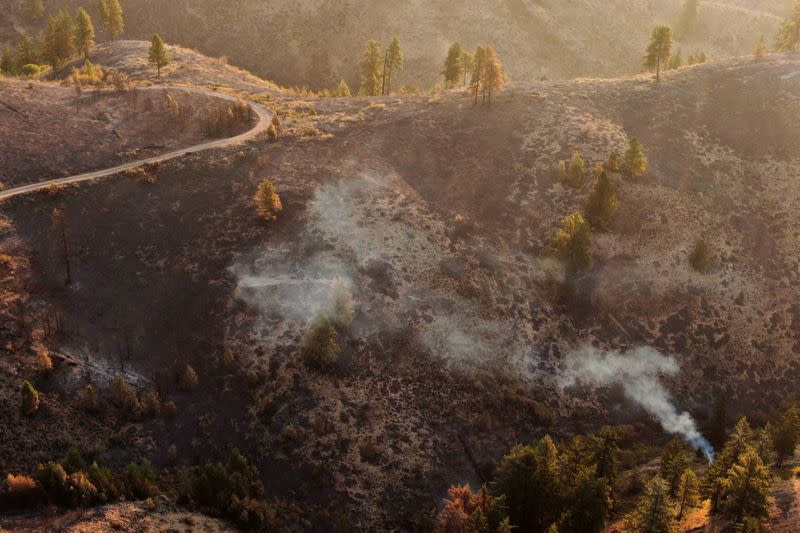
(111, 14)
(789, 33)
(158, 56)
(392, 62)
(371, 65)
(453, 66)
(84, 32)
(659, 50)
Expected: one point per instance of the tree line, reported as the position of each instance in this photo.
(63, 37)
(575, 485)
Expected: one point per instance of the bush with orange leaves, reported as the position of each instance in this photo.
(468, 512)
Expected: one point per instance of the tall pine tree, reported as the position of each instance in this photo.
(84, 32)
(393, 62)
(371, 65)
(158, 56)
(452, 66)
(789, 33)
(659, 50)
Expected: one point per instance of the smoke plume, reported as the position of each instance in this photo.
(639, 373)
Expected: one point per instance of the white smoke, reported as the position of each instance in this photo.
(639, 373)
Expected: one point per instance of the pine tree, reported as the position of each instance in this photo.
(606, 458)
(573, 174)
(659, 50)
(29, 399)
(393, 62)
(34, 9)
(589, 505)
(602, 202)
(158, 55)
(634, 160)
(343, 90)
(746, 487)
(761, 49)
(654, 511)
(59, 39)
(572, 243)
(674, 461)
(676, 61)
(268, 202)
(27, 52)
(467, 62)
(453, 66)
(789, 34)
(700, 257)
(689, 15)
(7, 61)
(495, 76)
(687, 494)
(785, 435)
(115, 24)
(371, 65)
(528, 478)
(84, 32)
(740, 440)
(478, 78)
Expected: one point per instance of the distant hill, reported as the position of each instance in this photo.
(317, 42)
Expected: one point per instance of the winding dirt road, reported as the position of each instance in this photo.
(264, 121)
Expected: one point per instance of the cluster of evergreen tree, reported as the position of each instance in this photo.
(377, 68)
(545, 486)
(484, 69)
(570, 487)
(62, 39)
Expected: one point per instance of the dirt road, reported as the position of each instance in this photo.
(264, 121)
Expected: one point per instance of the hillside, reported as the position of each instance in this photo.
(460, 332)
(317, 42)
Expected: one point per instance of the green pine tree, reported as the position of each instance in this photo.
(572, 243)
(393, 62)
(789, 33)
(659, 50)
(158, 55)
(59, 39)
(746, 487)
(739, 441)
(602, 203)
(29, 399)
(319, 348)
(634, 159)
(674, 461)
(111, 14)
(84, 32)
(371, 65)
(654, 511)
(453, 65)
(687, 495)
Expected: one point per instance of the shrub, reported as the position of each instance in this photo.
(32, 71)
(574, 173)
(21, 491)
(319, 348)
(152, 404)
(45, 362)
(268, 202)
(169, 410)
(123, 397)
(140, 480)
(73, 462)
(107, 485)
(253, 514)
(188, 380)
(29, 399)
(700, 258)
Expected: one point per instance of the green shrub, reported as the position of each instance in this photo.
(73, 462)
(635, 160)
(572, 243)
(602, 202)
(319, 348)
(700, 258)
(124, 397)
(140, 480)
(574, 173)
